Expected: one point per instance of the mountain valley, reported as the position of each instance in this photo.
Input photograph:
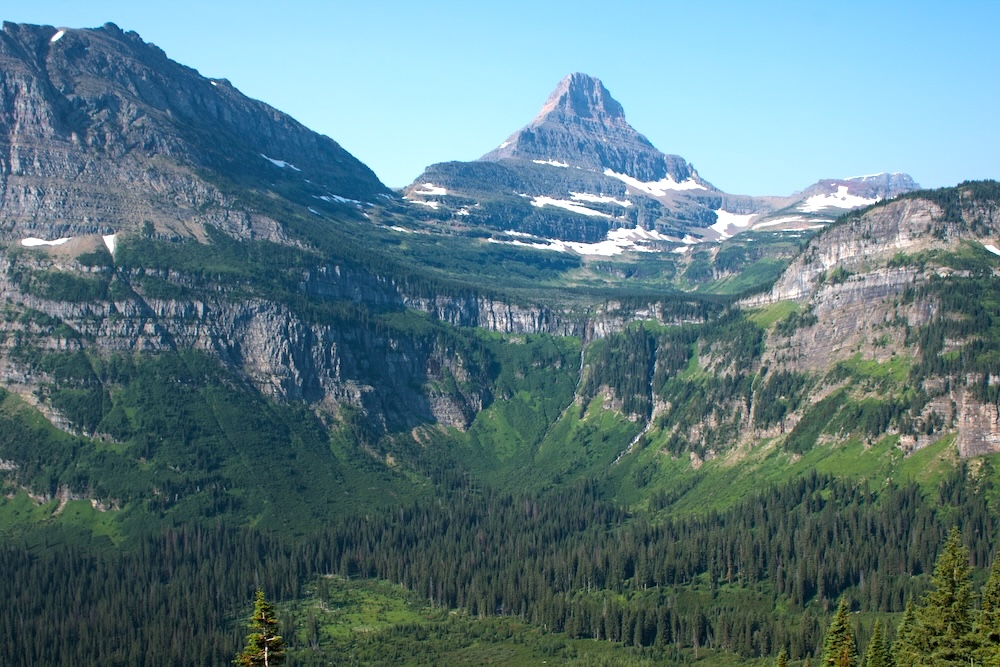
(570, 391)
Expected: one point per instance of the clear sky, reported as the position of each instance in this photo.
(762, 97)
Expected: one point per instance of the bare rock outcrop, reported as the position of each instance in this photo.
(101, 132)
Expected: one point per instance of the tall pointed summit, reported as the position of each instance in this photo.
(582, 125)
(578, 172)
(584, 97)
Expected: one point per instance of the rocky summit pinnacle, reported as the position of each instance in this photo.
(584, 97)
(582, 125)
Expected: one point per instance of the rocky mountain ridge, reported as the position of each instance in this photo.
(284, 353)
(864, 247)
(878, 336)
(579, 172)
(870, 281)
(100, 131)
(872, 186)
(582, 126)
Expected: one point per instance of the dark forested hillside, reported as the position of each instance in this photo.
(757, 578)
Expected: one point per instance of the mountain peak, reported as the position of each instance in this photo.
(81, 108)
(582, 96)
(581, 125)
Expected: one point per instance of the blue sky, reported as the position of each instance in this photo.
(762, 97)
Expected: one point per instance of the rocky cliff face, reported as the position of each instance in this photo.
(579, 171)
(581, 125)
(394, 375)
(863, 247)
(866, 285)
(100, 131)
(281, 353)
(575, 173)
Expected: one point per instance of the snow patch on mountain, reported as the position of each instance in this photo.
(330, 199)
(426, 190)
(992, 248)
(840, 199)
(604, 248)
(552, 163)
(109, 241)
(818, 223)
(618, 241)
(786, 220)
(726, 220)
(56, 37)
(280, 163)
(568, 205)
(430, 190)
(636, 234)
(866, 177)
(778, 221)
(32, 242)
(656, 188)
(598, 199)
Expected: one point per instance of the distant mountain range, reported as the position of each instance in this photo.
(580, 173)
(89, 108)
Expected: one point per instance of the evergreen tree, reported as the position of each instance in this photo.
(988, 624)
(904, 652)
(782, 659)
(265, 648)
(839, 649)
(877, 654)
(944, 622)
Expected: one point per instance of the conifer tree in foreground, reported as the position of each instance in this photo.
(265, 648)
(944, 632)
(904, 649)
(877, 654)
(987, 629)
(782, 659)
(940, 631)
(839, 649)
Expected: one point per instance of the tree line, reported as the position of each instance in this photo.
(567, 561)
(946, 629)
